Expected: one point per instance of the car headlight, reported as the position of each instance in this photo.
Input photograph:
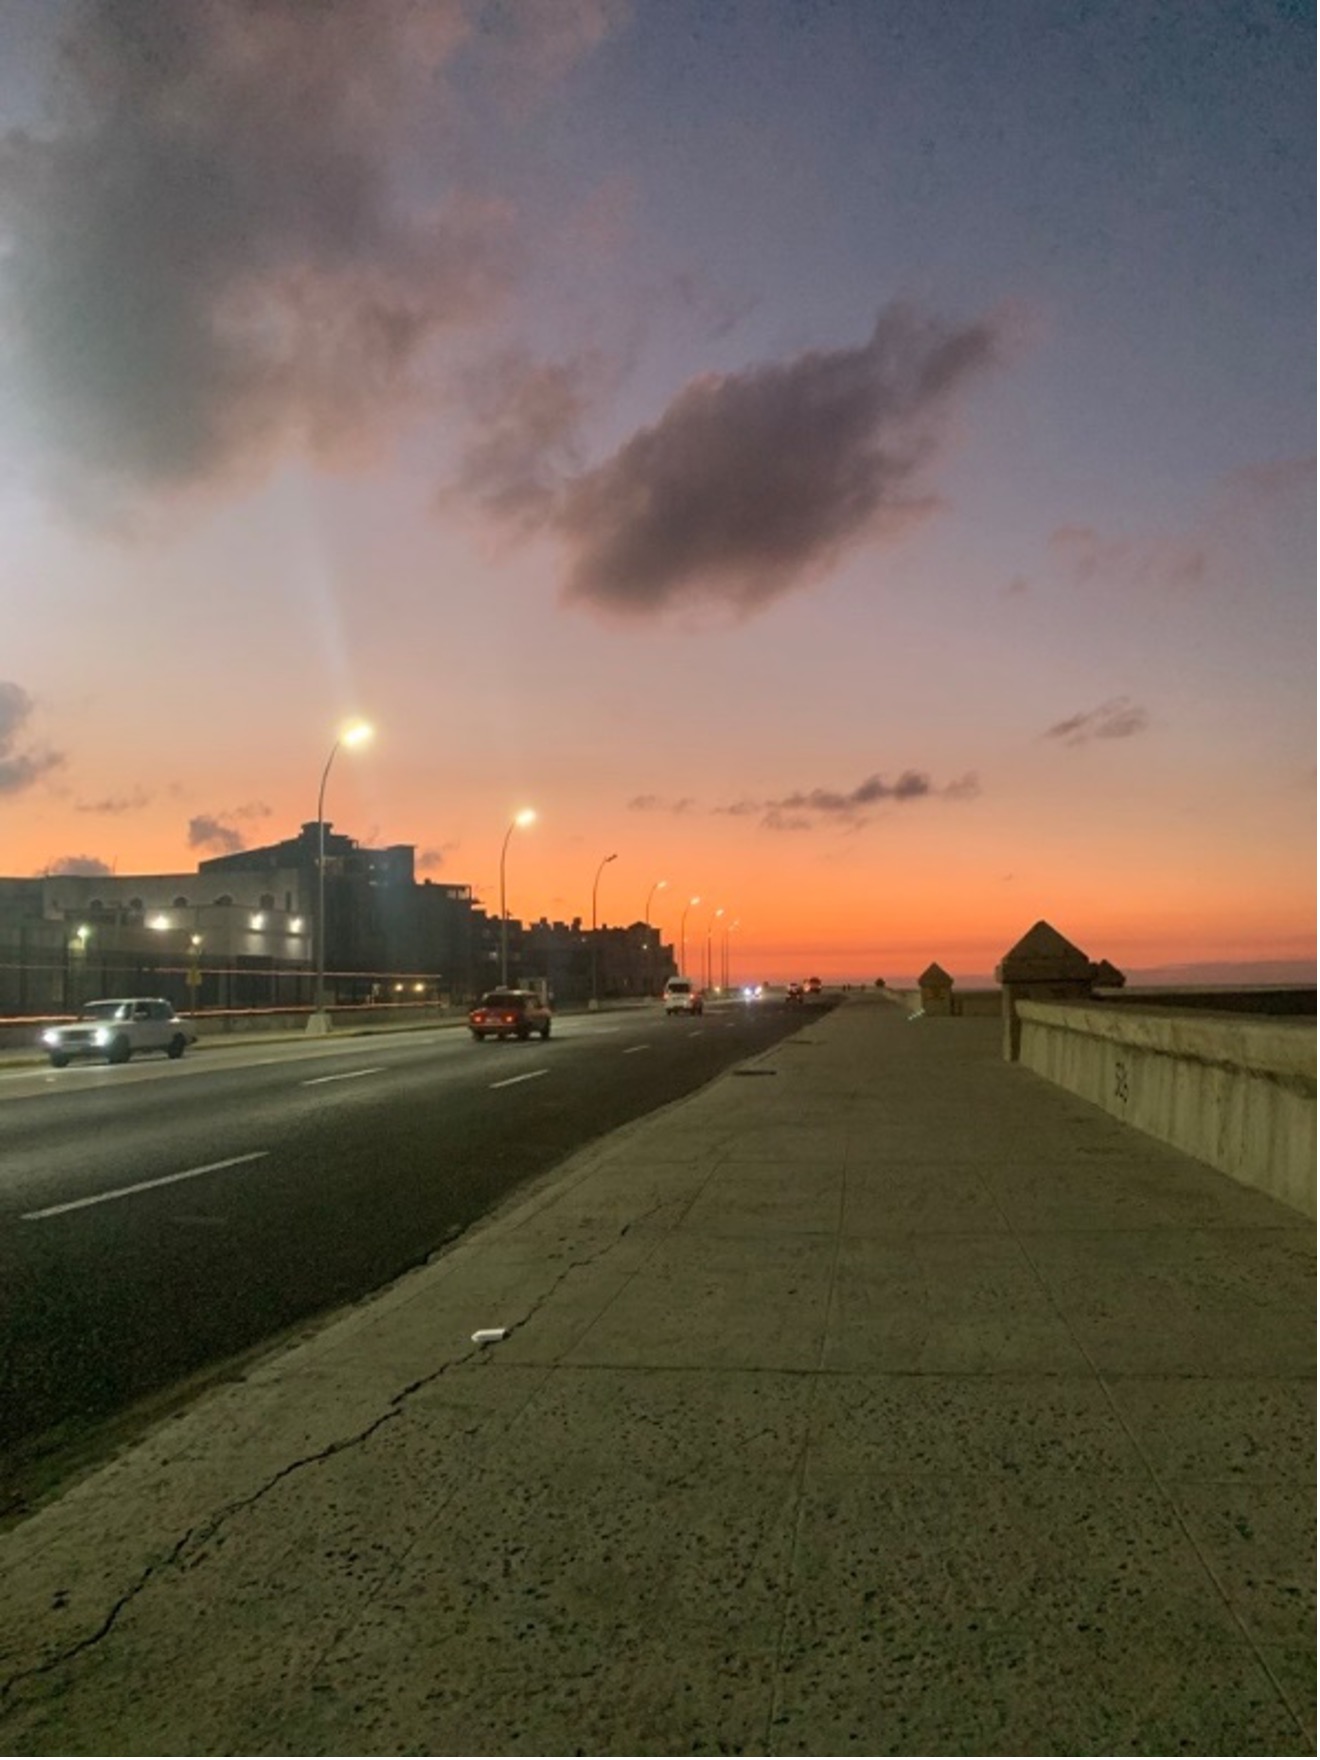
(102, 1035)
(51, 1036)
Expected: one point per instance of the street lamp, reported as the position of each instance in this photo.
(682, 935)
(727, 928)
(710, 974)
(355, 734)
(658, 887)
(526, 817)
(646, 918)
(79, 939)
(595, 886)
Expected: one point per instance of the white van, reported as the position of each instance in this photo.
(682, 996)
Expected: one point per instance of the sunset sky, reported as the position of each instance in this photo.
(853, 459)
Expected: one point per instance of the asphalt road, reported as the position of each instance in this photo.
(160, 1219)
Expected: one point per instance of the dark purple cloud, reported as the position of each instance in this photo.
(752, 483)
(209, 258)
(526, 417)
(1119, 718)
(19, 769)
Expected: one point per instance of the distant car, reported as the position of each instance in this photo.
(510, 1014)
(793, 993)
(118, 1026)
(813, 986)
(753, 992)
(682, 996)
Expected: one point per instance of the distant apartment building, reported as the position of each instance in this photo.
(629, 962)
(386, 933)
(239, 933)
(67, 937)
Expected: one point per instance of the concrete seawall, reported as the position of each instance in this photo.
(1237, 1093)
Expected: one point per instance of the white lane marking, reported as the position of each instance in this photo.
(347, 1076)
(529, 1076)
(629, 1049)
(696, 1032)
(145, 1185)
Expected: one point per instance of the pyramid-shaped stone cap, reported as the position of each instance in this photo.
(1042, 956)
(1102, 972)
(935, 978)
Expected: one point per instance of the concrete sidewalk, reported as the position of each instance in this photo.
(880, 1398)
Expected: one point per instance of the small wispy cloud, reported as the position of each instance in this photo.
(1158, 563)
(804, 809)
(20, 767)
(114, 805)
(1119, 718)
(87, 865)
(205, 831)
(432, 859)
(654, 803)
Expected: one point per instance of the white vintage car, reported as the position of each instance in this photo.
(117, 1027)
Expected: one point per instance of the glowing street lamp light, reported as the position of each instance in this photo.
(682, 935)
(526, 817)
(595, 887)
(355, 734)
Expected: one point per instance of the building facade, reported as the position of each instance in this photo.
(240, 933)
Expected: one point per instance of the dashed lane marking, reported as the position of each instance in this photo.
(527, 1076)
(347, 1075)
(145, 1185)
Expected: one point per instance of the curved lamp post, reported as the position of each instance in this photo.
(526, 817)
(682, 936)
(728, 928)
(659, 886)
(353, 735)
(595, 887)
(710, 974)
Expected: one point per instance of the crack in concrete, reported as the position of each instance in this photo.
(205, 1532)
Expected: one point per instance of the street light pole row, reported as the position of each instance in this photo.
(356, 733)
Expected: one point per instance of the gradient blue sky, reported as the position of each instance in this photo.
(693, 420)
